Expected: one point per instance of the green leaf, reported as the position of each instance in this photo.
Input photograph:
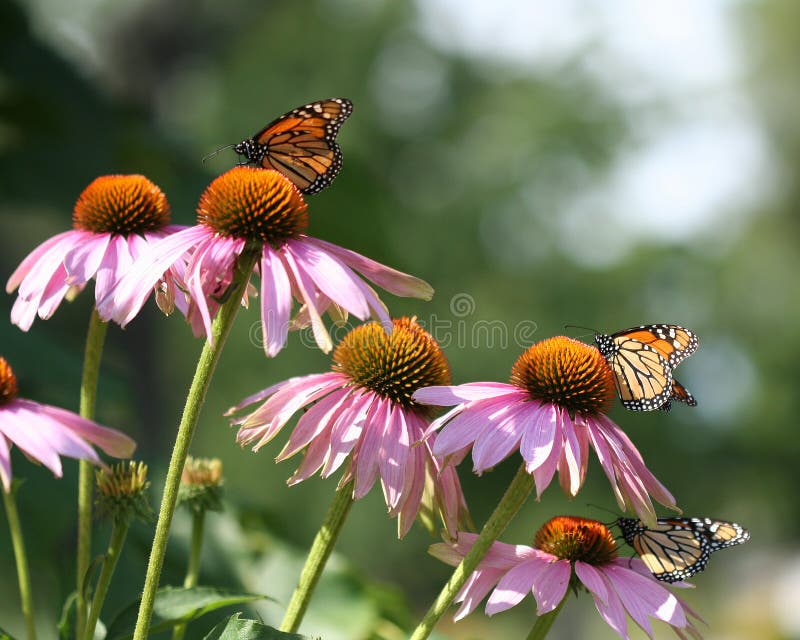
(176, 605)
(4, 635)
(234, 628)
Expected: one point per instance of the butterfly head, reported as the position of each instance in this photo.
(252, 151)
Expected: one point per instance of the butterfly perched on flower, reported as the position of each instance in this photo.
(301, 144)
(677, 548)
(643, 358)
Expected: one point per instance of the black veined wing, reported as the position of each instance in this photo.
(301, 144)
(678, 548)
(642, 359)
(679, 393)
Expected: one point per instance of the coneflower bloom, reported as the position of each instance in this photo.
(250, 210)
(114, 220)
(552, 411)
(362, 412)
(569, 552)
(44, 433)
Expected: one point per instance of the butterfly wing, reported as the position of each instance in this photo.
(642, 375)
(301, 144)
(673, 342)
(678, 548)
(679, 393)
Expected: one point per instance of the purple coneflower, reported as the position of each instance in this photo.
(258, 210)
(44, 433)
(568, 552)
(552, 410)
(115, 220)
(363, 411)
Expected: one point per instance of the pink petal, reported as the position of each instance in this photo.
(113, 442)
(305, 287)
(116, 262)
(450, 395)
(21, 427)
(5, 463)
(318, 418)
(551, 585)
(84, 260)
(368, 448)
(335, 280)
(396, 282)
(413, 491)
(313, 457)
(347, 430)
(539, 435)
(463, 430)
(33, 257)
(497, 441)
(475, 590)
(644, 597)
(543, 474)
(393, 456)
(258, 396)
(593, 580)
(276, 301)
(569, 468)
(47, 264)
(512, 588)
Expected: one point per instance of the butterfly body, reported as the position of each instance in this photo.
(678, 548)
(301, 144)
(642, 359)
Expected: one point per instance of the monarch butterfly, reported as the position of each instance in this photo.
(642, 359)
(301, 144)
(677, 548)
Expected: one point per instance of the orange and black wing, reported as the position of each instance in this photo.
(301, 144)
(677, 548)
(673, 342)
(642, 375)
(679, 393)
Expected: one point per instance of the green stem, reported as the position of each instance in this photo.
(23, 575)
(193, 570)
(191, 412)
(317, 557)
(93, 352)
(545, 621)
(511, 502)
(115, 545)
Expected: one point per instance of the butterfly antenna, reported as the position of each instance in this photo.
(213, 153)
(577, 326)
(614, 513)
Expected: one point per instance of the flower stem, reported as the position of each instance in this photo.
(317, 557)
(545, 621)
(511, 502)
(193, 570)
(191, 412)
(23, 575)
(93, 352)
(115, 545)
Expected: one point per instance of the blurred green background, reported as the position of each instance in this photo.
(541, 164)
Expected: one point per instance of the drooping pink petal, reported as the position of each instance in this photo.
(313, 457)
(413, 491)
(496, 442)
(305, 288)
(551, 584)
(593, 580)
(19, 425)
(450, 395)
(513, 587)
(569, 469)
(644, 597)
(113, 442)
(543, 474)
(467, 426)
(85, 258)
(347, 430)
(538, 436)
(393, 456)
(331, 277)
(368, 447)
(318, 418)
(396, 282)
(475, 589)
(132, 291)
(276, 301)
(258, 396)
(5, 463)
(27, 264)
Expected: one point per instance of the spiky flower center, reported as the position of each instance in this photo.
(8, 382)
(572, 538)
(259, 205)
(121, 204)
(392, 365)
(567, 373)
